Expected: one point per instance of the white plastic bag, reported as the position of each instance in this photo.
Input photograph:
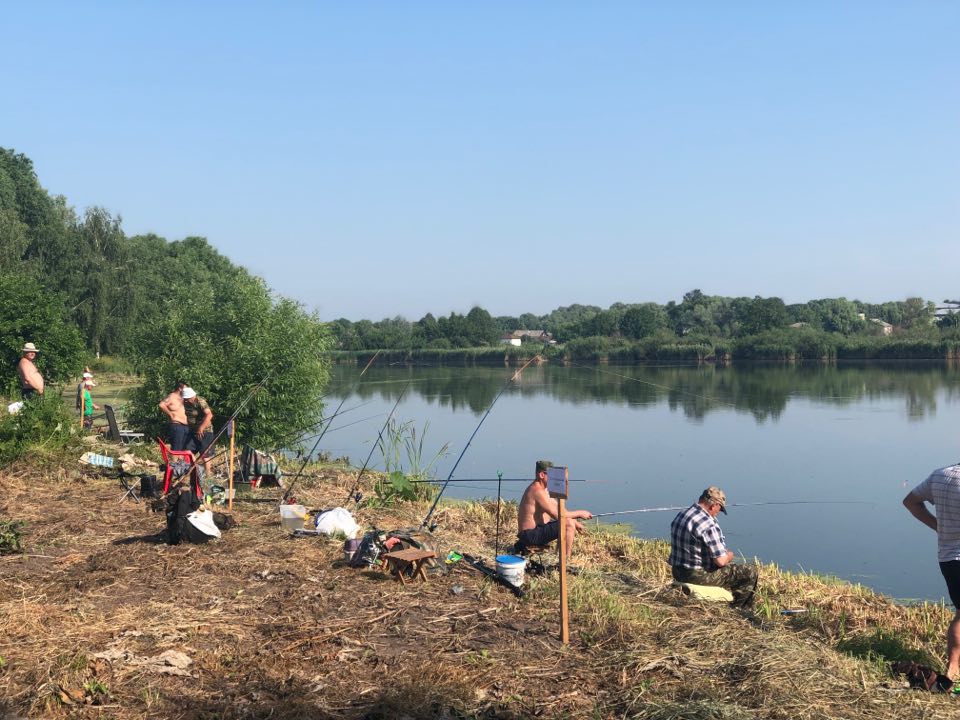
(337, 520)
(15, 407)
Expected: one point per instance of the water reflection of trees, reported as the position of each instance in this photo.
(696, 391)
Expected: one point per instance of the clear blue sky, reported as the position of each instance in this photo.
(374, 159)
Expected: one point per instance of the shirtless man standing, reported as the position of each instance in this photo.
(31, 381)
(172, 406)
(537, 515)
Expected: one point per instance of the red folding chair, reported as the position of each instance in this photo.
(187, 456)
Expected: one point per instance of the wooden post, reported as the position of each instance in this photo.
(231, 432)
(558, 485)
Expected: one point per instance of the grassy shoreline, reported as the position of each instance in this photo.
(277, 627)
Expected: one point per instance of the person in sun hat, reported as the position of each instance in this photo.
(942, 490)
(86, 378)
(537, 515)
(200, 419)
(31, 381)
(699, 554)
(88, 405)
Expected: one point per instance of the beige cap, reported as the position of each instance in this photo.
(714, 494)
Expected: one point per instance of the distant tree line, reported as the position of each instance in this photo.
(697, 318)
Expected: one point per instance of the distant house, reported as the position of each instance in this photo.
(799, 324)
(885, 327)
(519, 336)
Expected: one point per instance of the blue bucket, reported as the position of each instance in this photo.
(510, 568)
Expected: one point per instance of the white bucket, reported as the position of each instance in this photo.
(510, 568)
(292, 516)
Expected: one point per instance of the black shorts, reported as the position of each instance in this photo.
(539, 535)
(199, 447)
(951, 573)
(179, 436)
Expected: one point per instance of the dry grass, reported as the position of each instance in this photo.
(276, 627)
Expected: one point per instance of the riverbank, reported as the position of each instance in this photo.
(261, 625)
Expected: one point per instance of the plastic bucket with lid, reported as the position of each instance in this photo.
(292, 517)
(510, 568)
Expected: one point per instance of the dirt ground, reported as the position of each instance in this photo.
(260, 624)
(99, 618)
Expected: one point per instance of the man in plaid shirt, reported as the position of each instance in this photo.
(698, 552)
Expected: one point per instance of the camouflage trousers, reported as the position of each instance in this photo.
(741, 580)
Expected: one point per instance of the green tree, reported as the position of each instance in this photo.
(30, 313)
(223, 341)
(641, 321)
(761, 314)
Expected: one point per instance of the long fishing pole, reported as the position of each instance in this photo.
(356, 485)
(296, 477)
(498, 480)
(436, 500)
(753, 504)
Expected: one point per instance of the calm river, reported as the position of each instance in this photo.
(653, 437)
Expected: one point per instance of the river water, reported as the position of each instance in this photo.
(849, 441)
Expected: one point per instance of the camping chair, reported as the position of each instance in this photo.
(259, 469)
(131, 490)
(116, 434)
(169, 455)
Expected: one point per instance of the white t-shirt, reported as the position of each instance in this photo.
(942, 489)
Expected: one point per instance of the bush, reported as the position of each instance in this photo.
(223, 341)
(43, 423)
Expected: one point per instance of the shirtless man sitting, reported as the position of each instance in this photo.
(537, 515)
(172, 406)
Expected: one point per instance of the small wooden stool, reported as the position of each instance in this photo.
(397, 562)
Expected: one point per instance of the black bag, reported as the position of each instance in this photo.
(371, 546)
(179, 505)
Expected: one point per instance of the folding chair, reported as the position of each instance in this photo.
(123, 437)
(186, 456)
(131, 490)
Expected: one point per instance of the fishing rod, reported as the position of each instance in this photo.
(753, 504)
(336, 412)
(437, 481)
(436, 500)
(356, 485)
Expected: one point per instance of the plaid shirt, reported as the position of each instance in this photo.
(942, 489)
(695, 540)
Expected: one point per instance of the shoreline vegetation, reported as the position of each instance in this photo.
(271, 626)
(780, 347)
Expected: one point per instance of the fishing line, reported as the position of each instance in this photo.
(320, 437)
(753, 504)
(507, 384)
(366, 462)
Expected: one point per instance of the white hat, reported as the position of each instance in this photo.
(29, 347)
(187, 393)
(87, 375)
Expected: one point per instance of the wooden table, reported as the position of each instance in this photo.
(397, 562)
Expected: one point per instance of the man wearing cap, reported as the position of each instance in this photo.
(31, 381)
(698, 552)
(172, 406)
(538, 512)
(942, 490)
(200, 420)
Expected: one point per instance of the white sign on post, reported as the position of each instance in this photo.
(557, 482)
